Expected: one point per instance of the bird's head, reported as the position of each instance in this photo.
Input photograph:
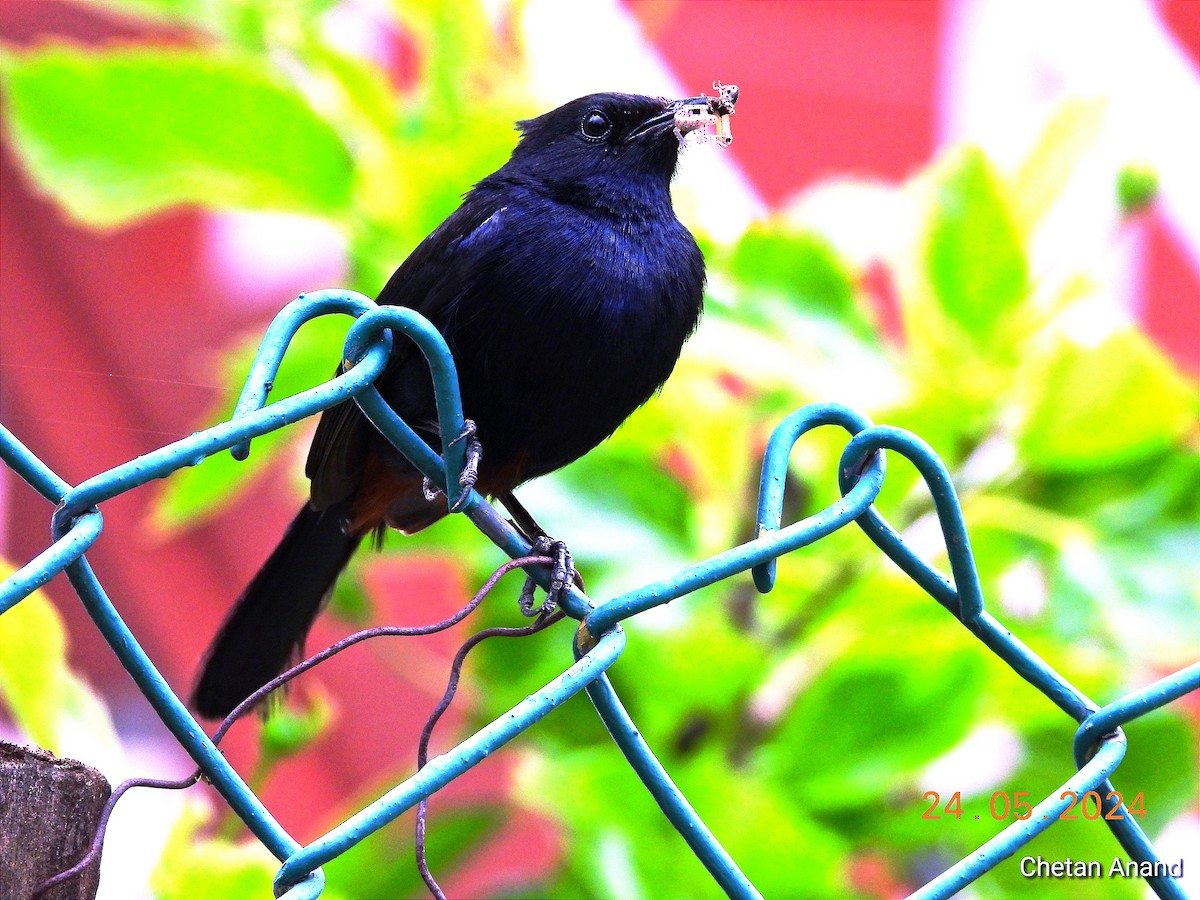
(627, 139)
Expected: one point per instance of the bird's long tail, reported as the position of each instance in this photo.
(268, 624)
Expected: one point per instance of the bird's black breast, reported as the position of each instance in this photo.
(565, 330)
(561, 320)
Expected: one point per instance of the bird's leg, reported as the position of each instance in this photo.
(563, 572)
(524, 522)
(470, 470)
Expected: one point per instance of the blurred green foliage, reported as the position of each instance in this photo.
(1137, 186)
(153, 104)
(33, 666)
(799, 724)
(48, 703)
(193, 866)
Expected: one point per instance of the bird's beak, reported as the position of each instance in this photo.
(695, 113)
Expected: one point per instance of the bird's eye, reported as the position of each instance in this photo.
(595, 125)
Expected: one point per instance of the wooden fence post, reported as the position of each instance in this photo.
(49, 811)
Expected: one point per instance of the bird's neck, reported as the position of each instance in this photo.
(645, 198)
(627, 198)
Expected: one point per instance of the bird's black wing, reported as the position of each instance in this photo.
(433, 277)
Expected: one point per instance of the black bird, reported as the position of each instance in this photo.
(565, 287)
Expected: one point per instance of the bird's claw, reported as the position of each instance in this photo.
(470, 470)
(430, 490)
(562, 574)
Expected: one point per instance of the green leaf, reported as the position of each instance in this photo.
(776, 841)
(1137, 186)
(682, 657)
(974, 259)
(457, 39)
(1090, 407)
(601, 803)
(168, 10)
(619, 479)
(34, 680)
(1143, 589)
(113, 136)
(247, 22)
(896, 710)
(382, 865)
(193, 494)
(802, 266)
(1162, 762)
(199, 869)
(290, 730)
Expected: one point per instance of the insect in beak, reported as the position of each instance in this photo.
(700, 114)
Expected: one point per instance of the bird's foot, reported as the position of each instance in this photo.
(562, 574)
(470, 470)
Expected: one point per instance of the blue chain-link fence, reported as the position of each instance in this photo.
(1099, 744)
